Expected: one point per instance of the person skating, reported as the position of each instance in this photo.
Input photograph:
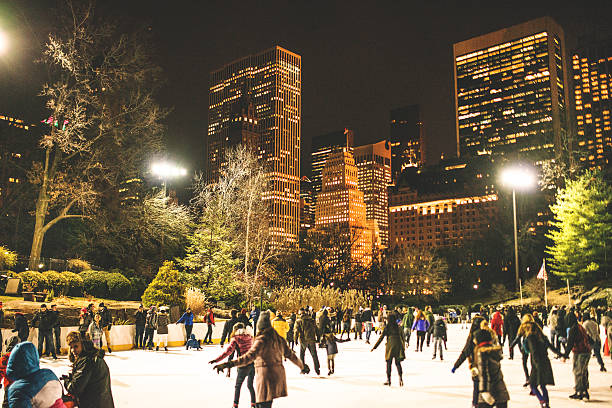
(306, 335)
(209, 319)
(228, 327)
(592, 329)
(243, 317)
(57, 329)
(394, 348)
(89, 382)
(421, 325)
(240, 343)
(520, 340)
(439, 336)
(150, 325)
(21, 327)
(330, 342)
(359, 324)
(280, 325)
(492, 391)
(254, 315)
(44, 318)
(140, 320)
(430, 319)
(95, 332)
(290, 333)
(106, 322)
(31, 386)
(497, 324)
(85, 319)
(468, 354)
(511, 325)
(267, 354)
(324, 323)
(193, 343)
(162, 329)
(578, 343)
(187, 320)
(406, 325)
(11, 342)
(347, 317)
(367, 317)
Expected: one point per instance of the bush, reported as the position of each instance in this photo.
(57, 282)
(291, 299)
(78, 265)
(534, 287)
(166, 289)
(94, 283)
(33, 281)
(119, 287)
(10, 274)
(138, 285)
(196, 301)
(75, 283)
(8, 258)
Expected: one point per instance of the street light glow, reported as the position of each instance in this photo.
(519, 178)
(3, 43)
(166, 170)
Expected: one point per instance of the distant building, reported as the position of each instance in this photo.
(322, 148)
(270, 81)
(374, 177)
(406, 138)
(131, 191)
(306, 208)
(341, 207)
(592, 71)
(512, 92)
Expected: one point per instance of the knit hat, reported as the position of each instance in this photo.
(264, 321)
(482, 336)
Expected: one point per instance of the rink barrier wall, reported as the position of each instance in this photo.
(122, 337)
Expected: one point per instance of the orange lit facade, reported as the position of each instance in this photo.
(440, 223)
(341, 207)
(272, 82)
(592, 71)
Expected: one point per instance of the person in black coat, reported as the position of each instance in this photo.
(492, 389)
(45, 320)
(468, 354)
(511, 325)
(21, 327)
(106, 322)
(57, 328)
(537, 345)
(140, 319)
(229, 326)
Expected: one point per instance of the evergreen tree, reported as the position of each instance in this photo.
(582, 228)
(166, 289)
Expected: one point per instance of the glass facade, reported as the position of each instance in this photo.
(406, 138)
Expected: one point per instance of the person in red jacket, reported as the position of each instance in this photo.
(209, 319)
(578, 343)
(241, 342)
(10, 344)
(497, 324)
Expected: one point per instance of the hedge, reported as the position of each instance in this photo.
(94, 283)
(75, 283)
(119, 287)
(57, 282)
(33, 281)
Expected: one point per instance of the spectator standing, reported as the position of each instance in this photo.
(95, 332)
(21, 327)
(187, 320)
(106, 323)
(162, 329)
(150, 325)
(140, 320)
(44, 319)
(57, 329)
(209, 319)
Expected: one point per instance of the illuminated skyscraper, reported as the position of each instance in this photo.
(374, 177)
(341, 208)
(406, 138)
(511, 91)
(306, 211)
(271, 81)
(592, 70)
(322, 148)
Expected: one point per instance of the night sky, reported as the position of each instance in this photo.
(358, 60)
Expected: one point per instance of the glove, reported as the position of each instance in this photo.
(305, 370)
(212, 362)
(474, 371)
(221, 367)
(453, 370)
(488, 398)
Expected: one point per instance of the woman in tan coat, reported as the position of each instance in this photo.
(267, 352)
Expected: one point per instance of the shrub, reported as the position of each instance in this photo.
(94, 283)
(138, 285)
(166, 288)
(33, 281)
(291, 299)
(119, 287)
(196, 301)
(57, 282)
(10, 274)
(534, 287)
(8, 258)
(75, 283)
(500, 293)
(78, 265)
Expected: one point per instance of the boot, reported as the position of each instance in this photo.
(576, 396)
(401, 383)
(586, 396)
(157, 348)
(109, 350)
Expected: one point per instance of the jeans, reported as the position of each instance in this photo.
(407, 333)
(398, 365)
(581, 371)
(139, 338)
(106, 331)
(148, 338)
(57, 333)
(420, 340)
(597, 352)
(358, 329)
(313, 352)
(208, 337)
(267, 404)
(188, 330)
(245, 372)
(542, 396)
(438, 342)
(45, 336)
(511, 337)
(368, 330)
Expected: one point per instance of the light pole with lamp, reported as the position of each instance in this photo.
(521, 178)
(3, 43)
(165, 170)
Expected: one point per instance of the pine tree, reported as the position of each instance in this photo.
(166, 289)
(582, 228)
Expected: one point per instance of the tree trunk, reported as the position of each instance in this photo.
(39, 229)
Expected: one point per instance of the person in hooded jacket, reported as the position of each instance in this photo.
(11, 342)
(240, 343)
(150, 325)
(162, 329)
(89, 382)
(193, 343)
(511, 325)
(394, 348)
(21, 326)
(31, 386)
(439, 336)
(492, 389)
(267, 354)
(187, 320)
(306, 335)
(468, 354)
(140, 320)
(541, 374)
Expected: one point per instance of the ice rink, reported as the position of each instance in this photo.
(181, 378)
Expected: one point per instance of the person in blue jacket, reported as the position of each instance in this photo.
(32, 386)
(187, 319)
(193, 343)
(421, 325)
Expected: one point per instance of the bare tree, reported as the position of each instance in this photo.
(418, 272)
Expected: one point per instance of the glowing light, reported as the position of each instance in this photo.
(166, 170)
(3, 43)
(518, 177)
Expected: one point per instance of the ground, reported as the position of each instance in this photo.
(184, 378)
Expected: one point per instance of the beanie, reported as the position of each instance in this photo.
(264, 321)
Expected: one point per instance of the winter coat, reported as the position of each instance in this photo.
(209, 318)
(408, 320)
(227, 329)
(497, 323)
(90, 379)
(325, 325)
(267, 352)
(45, 320)
(281, 327)
(241, 342)
(21, 327)
(162, 323)
(468, 348)
(55, 322)
(331, 344)
(244, 319)
(490, 376)
(32, 386)
(151, 321)
(186, 318)
(394, 347)
(592, 330)
(140, 318)
(291, 322)
(560, 327)
(541, 370)
(106, 318)
(367, 316)
(192, 342)
(439, 329)
(95, 331)
(305, 330)
(420, 325)
(430, 319)
(577, 340)
(84, 321)
(511, 324)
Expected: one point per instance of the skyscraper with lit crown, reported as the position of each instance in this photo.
(272, 81)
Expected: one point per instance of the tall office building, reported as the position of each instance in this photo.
(341, 207)
(592, 71)
(306, 211)
(511, 91)
(406, 138)
(322, 148)
(271, 81)
(374, 177)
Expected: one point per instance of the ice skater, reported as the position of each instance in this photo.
(331, 345)
(439, 336)
(394, 348)
(421, 325)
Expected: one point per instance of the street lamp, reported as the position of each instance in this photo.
(165, 171)
(521, 178)
(3, 43)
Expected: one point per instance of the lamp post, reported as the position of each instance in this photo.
(3, 43)
(165, 171)
(521, 178)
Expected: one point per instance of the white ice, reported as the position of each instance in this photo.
(181, 378)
